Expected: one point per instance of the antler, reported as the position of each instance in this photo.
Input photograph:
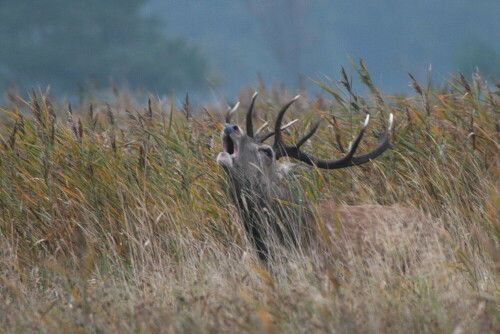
(249, 116)
(348, 160)
(249, 123)
(231, 111)
(257, 136)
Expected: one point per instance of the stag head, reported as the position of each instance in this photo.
(247, 155)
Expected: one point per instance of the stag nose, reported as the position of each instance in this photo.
(230, 128)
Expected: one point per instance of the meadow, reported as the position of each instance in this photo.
(114, 218)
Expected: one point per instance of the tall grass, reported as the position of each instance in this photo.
(113, 218)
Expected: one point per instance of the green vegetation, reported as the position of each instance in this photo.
(72, 44)
(113, 219)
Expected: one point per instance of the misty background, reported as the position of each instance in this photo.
(216, 48)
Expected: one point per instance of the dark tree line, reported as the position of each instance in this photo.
(69, 43)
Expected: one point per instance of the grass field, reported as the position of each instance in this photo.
(114, 219)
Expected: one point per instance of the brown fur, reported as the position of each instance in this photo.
(362, 227)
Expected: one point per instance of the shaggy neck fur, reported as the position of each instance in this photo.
(272, 214)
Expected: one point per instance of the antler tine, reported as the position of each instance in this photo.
(281, 147)
(356, 142)
(249, 123)
(382, 146)
(278, 143)
(262, 127)
(277, 127)
(289, 124)
(249, 116)
(309, 135)
(263, 137)
(230, 112)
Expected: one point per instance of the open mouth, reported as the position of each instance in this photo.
(230, 146)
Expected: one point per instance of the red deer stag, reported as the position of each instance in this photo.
(269, 203)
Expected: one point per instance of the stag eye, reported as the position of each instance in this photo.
(267, 151)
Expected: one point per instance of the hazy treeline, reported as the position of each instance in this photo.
(177, 46)
(285, 39)
(77, 44)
